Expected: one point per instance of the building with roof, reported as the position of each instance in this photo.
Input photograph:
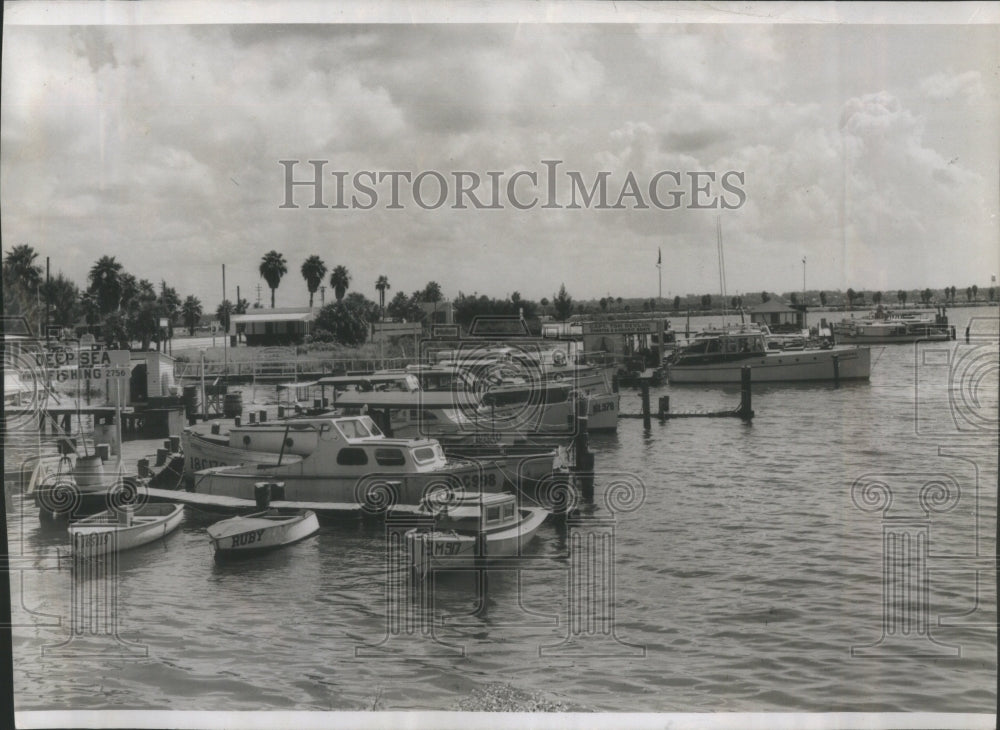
(280, 326)
(778, 315)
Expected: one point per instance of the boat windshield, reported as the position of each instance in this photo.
(354, 428)
(424, 454)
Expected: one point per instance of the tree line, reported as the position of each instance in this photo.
(121, 308)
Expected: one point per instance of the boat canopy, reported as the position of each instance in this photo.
(421, 400)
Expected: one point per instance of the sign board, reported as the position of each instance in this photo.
(164, 322)
(63, 365)
(445, 332)
(384, 330)
(623, 327)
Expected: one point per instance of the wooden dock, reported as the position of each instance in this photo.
(237, 505)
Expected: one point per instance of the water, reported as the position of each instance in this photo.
(742, 583)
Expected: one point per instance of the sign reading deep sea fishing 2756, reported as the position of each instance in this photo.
(67, 364)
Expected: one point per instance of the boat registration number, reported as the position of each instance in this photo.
(488, 480)
(447, 548)
(246, 538)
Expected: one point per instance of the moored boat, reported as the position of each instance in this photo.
(268, 529)
(352, 463)
(885, 327)
(472, 529)
(719, 357)
(125, 528)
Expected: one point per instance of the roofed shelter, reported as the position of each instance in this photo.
(778, 315)
(281, 326)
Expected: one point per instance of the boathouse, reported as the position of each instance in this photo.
(281, 326)
(779, 316)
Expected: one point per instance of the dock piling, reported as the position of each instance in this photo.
(584, 460)
(746, 404)
(836, 370)
(664, 406)
(216, 429)
(175, 444)
(104, 451)
(161, 457)
(645, 404)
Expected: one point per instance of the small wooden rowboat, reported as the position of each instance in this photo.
(266, 530)
(475, 529)
(127, 528)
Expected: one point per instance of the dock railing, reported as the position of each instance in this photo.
(283, 370)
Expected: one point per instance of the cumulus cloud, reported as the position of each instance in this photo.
(160, 144)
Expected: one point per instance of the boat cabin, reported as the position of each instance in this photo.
(723, 345)
(476, 512)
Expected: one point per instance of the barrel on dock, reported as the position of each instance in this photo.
(89, 471)
(232, 405)
(190, 399)
(262, 494)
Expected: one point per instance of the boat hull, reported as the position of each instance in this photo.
(202, 452)
(409, 488)
(448, 550)
(853, 363)
(102, 533)
(849, 339)
(243, 537)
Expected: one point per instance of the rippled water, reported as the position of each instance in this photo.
(742, 582)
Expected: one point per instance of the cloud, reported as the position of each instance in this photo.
(966, 86)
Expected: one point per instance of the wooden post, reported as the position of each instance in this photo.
(664, 406)
(746, 404)
(836, 370)
(645, 403)
(584, 459)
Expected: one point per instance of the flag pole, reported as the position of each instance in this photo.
(659, 270)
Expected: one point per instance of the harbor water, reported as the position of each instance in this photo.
(836, 554)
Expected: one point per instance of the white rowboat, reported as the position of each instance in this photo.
(252, 534)
(111, 531)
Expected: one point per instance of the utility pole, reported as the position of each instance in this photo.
(46, 298)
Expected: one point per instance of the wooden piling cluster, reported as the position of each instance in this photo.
(744, 411)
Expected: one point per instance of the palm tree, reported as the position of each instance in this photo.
(223, 312)
(851, 296)
(91, 307)
(975, 292)
(20, 266)
(877, 298)
(901, 297)
(63, 297)
(432, 292)
(191, 311)
(272, 268)
(105, 281)
(313, 271)
(382, 286)
(340, 280)
(822, 298)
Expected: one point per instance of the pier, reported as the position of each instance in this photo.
(743, 411)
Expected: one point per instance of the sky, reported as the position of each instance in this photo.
(871, 150)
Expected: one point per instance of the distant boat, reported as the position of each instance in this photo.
(475, 529)
(883, 327)
(128, 528)
(719, 357)
(249, 535)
